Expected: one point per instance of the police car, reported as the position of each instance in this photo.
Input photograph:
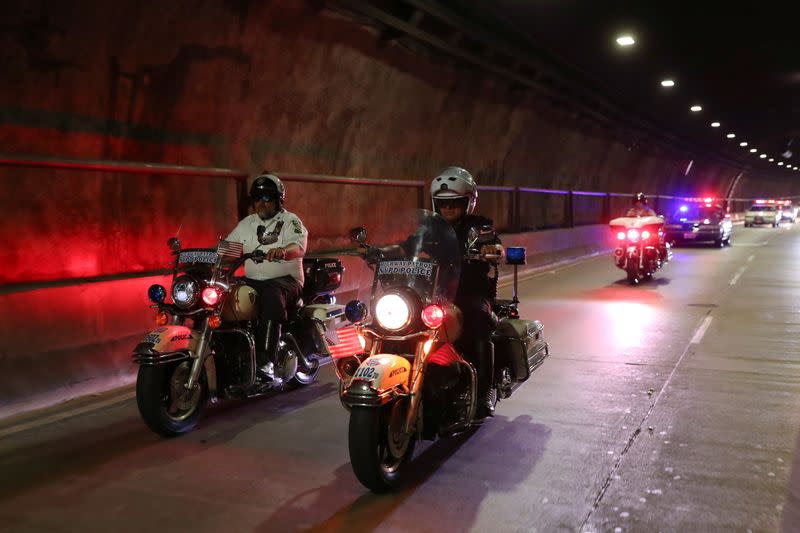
(788, 211)
(700, 220)
(763, 212)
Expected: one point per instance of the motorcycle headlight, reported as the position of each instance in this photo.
(392, 312)
(184, 292)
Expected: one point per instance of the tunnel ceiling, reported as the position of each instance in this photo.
(740, 64)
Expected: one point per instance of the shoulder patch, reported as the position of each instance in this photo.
(298, 228)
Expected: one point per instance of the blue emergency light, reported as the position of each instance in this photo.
(355, 311)
(515, 255)
(156, 293)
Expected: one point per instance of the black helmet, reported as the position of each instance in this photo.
(268, 185)
(640, 197)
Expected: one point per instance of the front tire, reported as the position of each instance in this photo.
(379, 450)
(165, 405)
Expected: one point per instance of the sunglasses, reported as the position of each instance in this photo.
(451, 204)
(266, 199)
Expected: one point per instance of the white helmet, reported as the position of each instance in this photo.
(455, 182)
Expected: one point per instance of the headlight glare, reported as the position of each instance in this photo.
(392, 312)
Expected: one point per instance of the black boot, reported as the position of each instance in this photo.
(484, 352)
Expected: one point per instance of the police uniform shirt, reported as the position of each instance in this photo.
(288, 228)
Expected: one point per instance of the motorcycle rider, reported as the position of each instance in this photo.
(641, 209)
(278, 280)
(454, 195)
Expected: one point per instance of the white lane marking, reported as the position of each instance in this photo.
(738, 275)
(698, 335)
(751, 258)
(66, 414)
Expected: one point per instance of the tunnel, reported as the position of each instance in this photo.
(126, 124)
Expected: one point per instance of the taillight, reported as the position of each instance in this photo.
(211, 296)
(214, 321)
(433, 316)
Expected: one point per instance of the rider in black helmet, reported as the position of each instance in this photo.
(640, 207)
(278, 280)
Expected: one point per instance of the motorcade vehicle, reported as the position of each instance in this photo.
(763, 212)
(700, 221)
(408, 324)
(204, 346)
(641, 246)
(788, 211)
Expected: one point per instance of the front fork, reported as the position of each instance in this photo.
(199, 358)
(415, 390)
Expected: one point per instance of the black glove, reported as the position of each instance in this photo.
(373, 255)
(259, 256)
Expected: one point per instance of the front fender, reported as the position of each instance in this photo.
(378, 379)
(166, 344)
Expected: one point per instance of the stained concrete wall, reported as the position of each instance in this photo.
(247, 85)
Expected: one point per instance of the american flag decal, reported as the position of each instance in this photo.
(348, 343)
(230, 249)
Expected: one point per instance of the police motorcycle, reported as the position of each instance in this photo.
(641, 249)
(204, 348)
(407, 328)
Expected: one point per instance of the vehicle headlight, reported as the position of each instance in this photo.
(184, 292)
(392, 312)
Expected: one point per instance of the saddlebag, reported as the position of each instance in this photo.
(327, 319)
(323, 275)
(519, 345)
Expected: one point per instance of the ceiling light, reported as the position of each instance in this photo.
(715, 124)
(667, 83)
(763, 156)
(695, 108)
(753, 150)
(730, 135)
(625, 40)
(771, 159)
(743, 143)
(780, 163)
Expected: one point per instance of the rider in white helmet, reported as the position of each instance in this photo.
(454, 195)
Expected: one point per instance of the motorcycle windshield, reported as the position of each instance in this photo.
(423, 254)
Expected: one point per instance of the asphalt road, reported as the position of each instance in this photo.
(671, 406)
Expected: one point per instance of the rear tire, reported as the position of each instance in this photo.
(306, 376)
(633, 274)
(379, 450)
(166, 407)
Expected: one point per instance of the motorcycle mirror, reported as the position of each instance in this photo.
(358, 235)
(265, 238)
(174, 244)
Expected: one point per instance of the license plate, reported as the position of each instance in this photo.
(690, 235)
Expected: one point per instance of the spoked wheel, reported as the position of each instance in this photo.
(379, 449)
(166, 406)
(306, 373)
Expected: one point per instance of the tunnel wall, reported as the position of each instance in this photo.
(288, 86)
